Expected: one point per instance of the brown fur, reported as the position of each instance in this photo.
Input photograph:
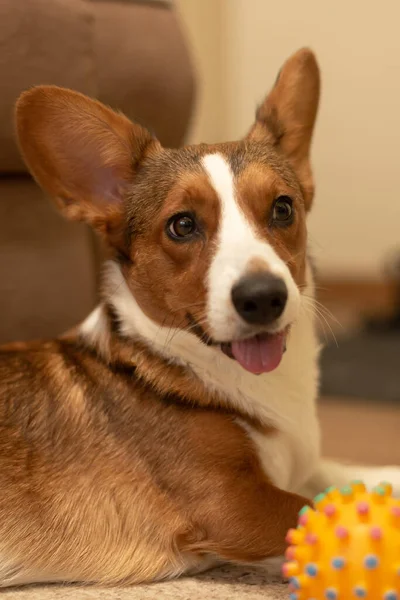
(117, 466)
(170, 278)
(170, 379)
(257, 188)
(97, 465)
(287, 117)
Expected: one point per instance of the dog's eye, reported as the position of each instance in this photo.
(283, 212)
(181, 226)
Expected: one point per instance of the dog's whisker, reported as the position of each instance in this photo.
(323, 309)
(309, 311)
(313, 309)
(177, 329)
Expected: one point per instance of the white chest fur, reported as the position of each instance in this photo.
(283, 399)
(286, 399)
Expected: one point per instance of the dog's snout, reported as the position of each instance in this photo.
(260, 298)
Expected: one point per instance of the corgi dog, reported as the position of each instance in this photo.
(176, 427)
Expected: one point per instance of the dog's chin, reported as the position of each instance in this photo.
(261, 353)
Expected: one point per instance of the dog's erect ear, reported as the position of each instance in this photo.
(81, 153)
(287, 116)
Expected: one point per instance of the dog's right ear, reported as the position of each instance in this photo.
(82, 153)
(287, 116)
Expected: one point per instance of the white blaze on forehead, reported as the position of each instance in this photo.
(221, 177)
(234, 229)
(238, 245)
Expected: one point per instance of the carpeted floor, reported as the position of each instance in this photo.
(355, 430)
(225, 583)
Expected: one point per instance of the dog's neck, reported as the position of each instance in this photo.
(176, 362)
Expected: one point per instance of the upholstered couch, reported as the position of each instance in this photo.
(131, 55)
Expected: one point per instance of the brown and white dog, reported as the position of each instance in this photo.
(171, 430)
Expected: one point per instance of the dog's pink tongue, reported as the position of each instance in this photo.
(260, 354)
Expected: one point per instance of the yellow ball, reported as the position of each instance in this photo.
(348, 547)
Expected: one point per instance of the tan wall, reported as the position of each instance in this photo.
(203, 20)
(356, 220)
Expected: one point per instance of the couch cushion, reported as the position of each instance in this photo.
(143, 65)
(41, 41)
(47, 275)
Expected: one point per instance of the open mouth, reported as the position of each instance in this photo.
(259, 354)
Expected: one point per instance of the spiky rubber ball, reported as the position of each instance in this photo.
(348, 547)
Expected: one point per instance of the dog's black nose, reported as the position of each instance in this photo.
(260, 298)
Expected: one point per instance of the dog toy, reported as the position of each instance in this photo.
(348, 547)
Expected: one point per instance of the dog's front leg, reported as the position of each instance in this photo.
(331, 473)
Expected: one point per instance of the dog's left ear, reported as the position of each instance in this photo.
(82, 154)
(287, 116)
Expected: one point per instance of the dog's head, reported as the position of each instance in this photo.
(210, 238)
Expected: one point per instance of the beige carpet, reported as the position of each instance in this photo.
(225, 583)
(366, 432)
